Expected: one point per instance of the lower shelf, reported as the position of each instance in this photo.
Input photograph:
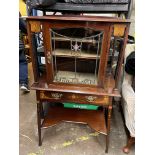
(75, 78)
(95, 119)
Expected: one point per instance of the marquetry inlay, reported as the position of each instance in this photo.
(119, 30)
(35, 26)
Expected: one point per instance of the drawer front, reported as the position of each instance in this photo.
(73, 97)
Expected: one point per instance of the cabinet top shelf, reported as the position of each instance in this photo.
(77, 39)
(79, 18)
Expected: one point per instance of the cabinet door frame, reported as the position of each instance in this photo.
(105, 27)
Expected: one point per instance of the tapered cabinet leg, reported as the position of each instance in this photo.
(130, 142)
(39, 121)
(108, 127)
(107, 143)
(42, 111)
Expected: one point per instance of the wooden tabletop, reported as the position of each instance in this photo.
(79, 18)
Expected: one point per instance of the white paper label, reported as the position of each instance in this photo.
(43, 60)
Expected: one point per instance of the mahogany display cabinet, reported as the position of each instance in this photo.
(73, 64)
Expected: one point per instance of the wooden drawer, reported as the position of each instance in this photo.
(74, 97)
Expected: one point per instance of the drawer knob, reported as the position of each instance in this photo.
(90, 98)
(56, 95)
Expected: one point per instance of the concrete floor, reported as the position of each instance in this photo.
(65, 138)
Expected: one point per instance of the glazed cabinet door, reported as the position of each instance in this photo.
(76, 54)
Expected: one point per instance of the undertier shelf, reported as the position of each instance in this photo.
(95, 119)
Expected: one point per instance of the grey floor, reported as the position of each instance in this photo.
(66, 138)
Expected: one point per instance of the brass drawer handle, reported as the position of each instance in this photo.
(48, 57)
(90, 98)
(56, 95)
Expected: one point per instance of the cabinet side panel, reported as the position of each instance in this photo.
(104, 55)
(31, 37)
(121, 57)
(47, 50)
